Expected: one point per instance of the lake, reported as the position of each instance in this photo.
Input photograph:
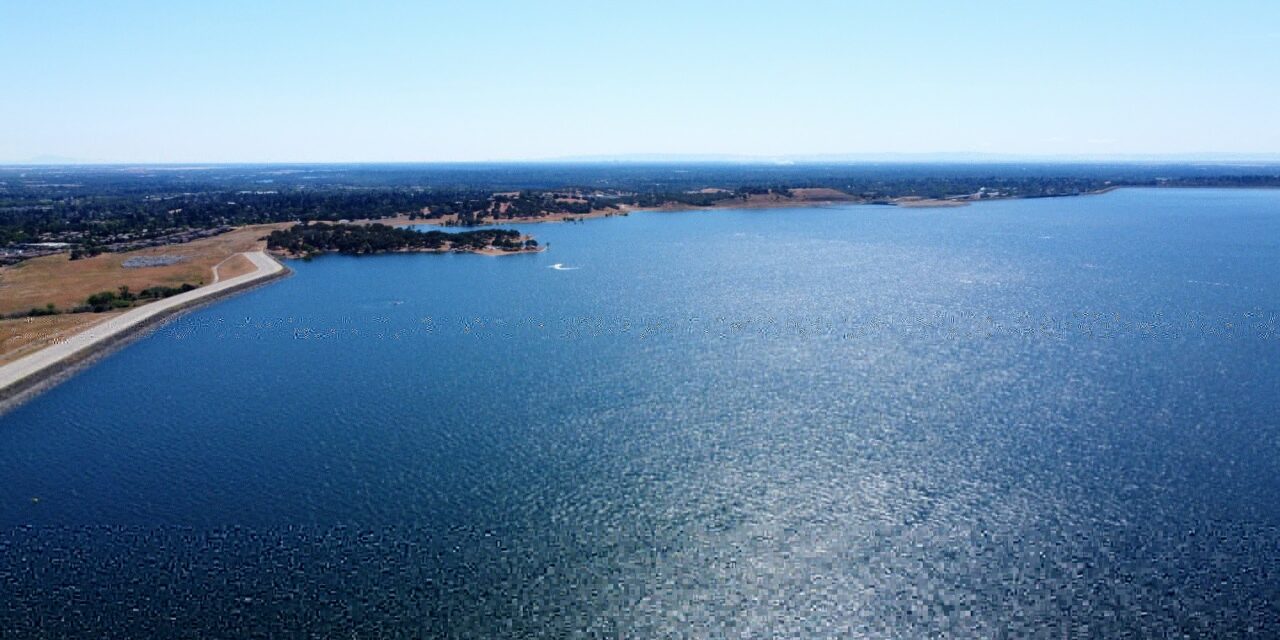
(1052, 417)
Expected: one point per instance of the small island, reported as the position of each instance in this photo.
(306, 240)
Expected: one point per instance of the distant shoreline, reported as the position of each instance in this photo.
(34, 373)
(775, 202)
(26, 377)
(487, 251)
(310, 239)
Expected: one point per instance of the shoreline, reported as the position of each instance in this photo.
(34, 373)
(487, 251)
(30, 375)
(904, 202)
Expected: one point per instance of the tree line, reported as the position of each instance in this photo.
(113, 208)
(357, 239)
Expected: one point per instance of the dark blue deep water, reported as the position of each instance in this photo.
(1050, 418)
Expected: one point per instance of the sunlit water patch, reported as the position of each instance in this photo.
(1017, 418)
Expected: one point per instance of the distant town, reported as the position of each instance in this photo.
(88, 210)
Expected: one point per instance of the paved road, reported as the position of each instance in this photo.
(27, 366)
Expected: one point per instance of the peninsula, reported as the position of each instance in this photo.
(306, 240)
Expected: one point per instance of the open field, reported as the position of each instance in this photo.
(236, 265)
(821, 195)
(66, 283)
(912, 202)
(22, 336)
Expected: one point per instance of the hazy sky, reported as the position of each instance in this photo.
(223, 81)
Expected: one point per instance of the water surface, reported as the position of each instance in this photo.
(1052, 417)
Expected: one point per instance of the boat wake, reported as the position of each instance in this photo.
(559, 266)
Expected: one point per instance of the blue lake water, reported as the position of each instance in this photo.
(1049, 417)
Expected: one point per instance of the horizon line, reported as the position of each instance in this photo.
(943, 157)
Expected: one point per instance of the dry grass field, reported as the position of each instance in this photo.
(821, 194)
(22, 336)
(66, 283)
(236, 265)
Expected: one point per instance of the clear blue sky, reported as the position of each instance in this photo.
(226, 81)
